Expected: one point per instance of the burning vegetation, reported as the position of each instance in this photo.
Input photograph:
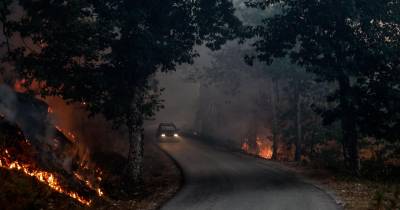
(45, 177)
(47, 146)
(32, 145)
(262, 147)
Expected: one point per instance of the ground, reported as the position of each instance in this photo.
(162, 179)
(219, 178)
(352, 193)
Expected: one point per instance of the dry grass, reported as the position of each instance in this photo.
(353, 193)
(162, 179)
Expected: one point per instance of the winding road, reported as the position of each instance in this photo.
(221, 180)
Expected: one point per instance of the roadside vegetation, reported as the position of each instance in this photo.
(321, 90)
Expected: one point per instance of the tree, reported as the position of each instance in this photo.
(354, 44)
(104, 53)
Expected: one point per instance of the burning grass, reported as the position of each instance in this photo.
(18, 155)
(19, 191)
(92, 184)
(50, 179)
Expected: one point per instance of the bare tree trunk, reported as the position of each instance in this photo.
(274, 120)
(349, 127)
(297, 156)
(135, 156)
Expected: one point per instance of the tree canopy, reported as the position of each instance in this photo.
(104, 53)
(354, 44)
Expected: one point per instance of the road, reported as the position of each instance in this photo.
(221, 180)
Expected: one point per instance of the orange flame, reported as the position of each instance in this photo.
(89, 184)
(245, 147)
(42, 176)
(263, 150)
(69, 134)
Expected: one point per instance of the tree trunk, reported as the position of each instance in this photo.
(349, 127)
(274, 120)
(135, 156)
(297, 156)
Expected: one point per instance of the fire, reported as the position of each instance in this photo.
(43, 176)
(90, 185)
(19, 86)
(69, 134)
(245, 146)
(84, 167)
(263, 148)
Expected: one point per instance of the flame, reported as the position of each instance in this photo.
(84, 166)
(263, 150)
(245, 146)
(69, 134)
(90, 185)
(19, 86)
(42, 176)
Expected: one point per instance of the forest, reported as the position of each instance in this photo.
(314, 83)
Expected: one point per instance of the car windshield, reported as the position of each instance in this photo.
(167, 128)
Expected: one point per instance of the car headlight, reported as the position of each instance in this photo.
(176, 135)
(163, 135)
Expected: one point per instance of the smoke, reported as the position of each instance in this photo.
(39, 118)
(218, 96)
(27, 112)
(93, 135)
(8, 102)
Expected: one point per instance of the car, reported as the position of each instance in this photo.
(167, 131)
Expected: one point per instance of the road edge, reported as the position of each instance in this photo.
(314, 183)
(180, 169)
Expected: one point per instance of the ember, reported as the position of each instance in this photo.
(91, 185)
(85, 171)
(69, 134)
(42, 176)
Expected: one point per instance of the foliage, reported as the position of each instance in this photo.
(354, 44)
(386, 198)
(104, 53)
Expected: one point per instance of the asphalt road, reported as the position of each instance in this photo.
(221, 180)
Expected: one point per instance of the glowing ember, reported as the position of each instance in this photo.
(89, 184)
(98, 172)
(42, 176)
(19, 86)
(69, 134)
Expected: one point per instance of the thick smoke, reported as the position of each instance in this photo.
(8, 102)
(27, 112)
(214, 98)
